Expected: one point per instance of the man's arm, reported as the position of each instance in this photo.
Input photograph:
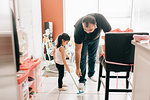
(78, 48)
(105, 24)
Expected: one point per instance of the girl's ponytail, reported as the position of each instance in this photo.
(59, 43)
(63, 36)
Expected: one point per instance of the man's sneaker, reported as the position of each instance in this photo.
(93, 79)
(81, 86)
(62, 89)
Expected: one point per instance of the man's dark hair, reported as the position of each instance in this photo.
(88, 19)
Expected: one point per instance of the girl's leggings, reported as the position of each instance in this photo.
(61, 74)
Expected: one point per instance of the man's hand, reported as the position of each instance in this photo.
(78, 72)
(78, 48)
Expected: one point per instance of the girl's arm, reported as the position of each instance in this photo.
(62, 50)
(54, 53)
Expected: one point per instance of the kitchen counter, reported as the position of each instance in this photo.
(141, 76)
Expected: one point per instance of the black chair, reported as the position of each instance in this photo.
(118, 49)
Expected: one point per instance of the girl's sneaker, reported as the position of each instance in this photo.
(64, 85)
(62, 89)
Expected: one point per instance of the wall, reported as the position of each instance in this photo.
(37, 28)
(141, 15)
(52, 11)
(8, 81)
(75, 9)
(117, 12)
(29, 21)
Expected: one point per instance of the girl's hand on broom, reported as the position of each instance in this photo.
(67, 68)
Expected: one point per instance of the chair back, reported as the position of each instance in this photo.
(118, 47)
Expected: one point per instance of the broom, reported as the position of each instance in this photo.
(80, 92)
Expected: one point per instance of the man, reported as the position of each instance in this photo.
(86, 37)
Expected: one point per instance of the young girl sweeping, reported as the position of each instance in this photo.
(60, 59)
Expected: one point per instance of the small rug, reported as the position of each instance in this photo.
(50, 71)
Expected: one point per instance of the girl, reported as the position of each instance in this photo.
(60, 58)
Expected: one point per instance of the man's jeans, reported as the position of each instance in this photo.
(91, 48)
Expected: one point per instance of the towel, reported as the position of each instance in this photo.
(138, 38)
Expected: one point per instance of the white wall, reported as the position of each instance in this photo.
(25, 22)
(29, 15)
(141, 15)
(117, 12)
(37, 28)
(75, 9)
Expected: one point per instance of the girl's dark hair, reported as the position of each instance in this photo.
(63, 36)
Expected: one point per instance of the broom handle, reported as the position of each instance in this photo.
(74, 81)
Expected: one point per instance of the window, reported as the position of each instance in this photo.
(117, 12)
(75, 9)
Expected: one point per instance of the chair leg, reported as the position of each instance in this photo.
(127, 82)
(100, 75)
(107, 85)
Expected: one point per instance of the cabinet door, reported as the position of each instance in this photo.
(141, 83)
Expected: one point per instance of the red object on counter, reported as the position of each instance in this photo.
(22, 76)
(116, 30)
(36, 62)
(119, 30)
(30, 64)
(29, 68)
(28, 61)
(128, 30)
